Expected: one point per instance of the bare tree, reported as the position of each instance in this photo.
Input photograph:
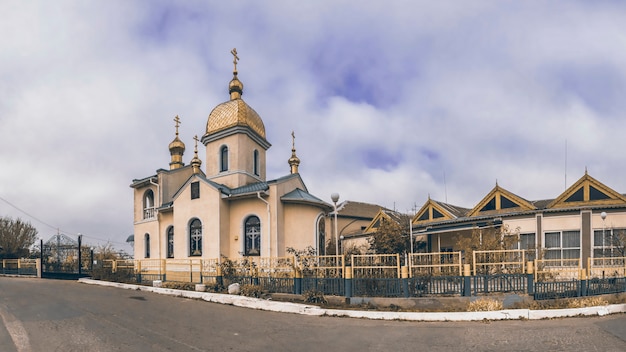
(16, 237)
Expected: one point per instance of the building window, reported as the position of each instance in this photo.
(606, 243)
(224, 158)
(195, 238)
(255, 161)
(195, 190)
(170, 242)
(527, 243)
(148, 205)
(146, 240)
(562, 248)
(321, 236)
(253, 236)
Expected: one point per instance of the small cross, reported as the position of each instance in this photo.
(196, 139)
(235, 57)
(177, 120)
(293, 140)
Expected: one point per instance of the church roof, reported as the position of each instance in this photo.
(298, 195)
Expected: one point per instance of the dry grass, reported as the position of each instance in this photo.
(483, 305)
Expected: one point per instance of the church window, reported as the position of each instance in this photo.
(170, 242)
(321, 236)
(146, 240)
(253, 236)
(224, 158)
(148, 205)
(195, 190)
(255, 165)
(195, 238)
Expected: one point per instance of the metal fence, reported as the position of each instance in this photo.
(417, 275)
(23, 266)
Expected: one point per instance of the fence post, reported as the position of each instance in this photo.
(219, 278)
(530, 280)
(38, 266)
(297, 281)
(467, 283)
(348, 281)
(138, 271)
(405, 281)
(583, 282)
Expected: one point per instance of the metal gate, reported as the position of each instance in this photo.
(62, 257)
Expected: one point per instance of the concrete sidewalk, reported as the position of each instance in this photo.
(305, 309)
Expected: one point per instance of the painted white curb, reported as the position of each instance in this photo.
(286, 307)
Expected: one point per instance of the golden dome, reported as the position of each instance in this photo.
(177, 144)
(234, 113)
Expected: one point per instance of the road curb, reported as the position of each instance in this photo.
(304, 309)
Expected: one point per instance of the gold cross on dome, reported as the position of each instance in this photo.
(195, 138)
(177, 120)
(235, 57)
(293, 140)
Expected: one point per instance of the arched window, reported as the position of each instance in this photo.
(148, 204)
(146, 241)
(195, 238)
(255, 159)
(224, 158)
(253, 236)
(170, 242)
(321, 236)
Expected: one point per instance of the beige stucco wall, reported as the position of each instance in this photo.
(300, 226)
(240, 161)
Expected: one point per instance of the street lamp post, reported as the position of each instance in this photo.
(603, 216)
(335, 199)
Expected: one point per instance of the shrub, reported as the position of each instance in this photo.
(176, 285)
(251, 291)
(483, 305)
(314, 296)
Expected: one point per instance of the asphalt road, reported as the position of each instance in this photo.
(49, 315)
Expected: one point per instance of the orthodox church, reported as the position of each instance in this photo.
(229, 209)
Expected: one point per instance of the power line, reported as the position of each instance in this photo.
(55, 227)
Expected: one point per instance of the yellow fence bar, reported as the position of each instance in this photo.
(435, 264)
(606, 267)
(499, 261)
(376, 265)
(557, 269)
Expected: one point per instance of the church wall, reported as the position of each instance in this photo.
(240, 161)
(205, 209)
(140, 230)
(300, 226)
(240, 210)
(170, 181)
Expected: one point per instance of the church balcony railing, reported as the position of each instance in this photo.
(149, 213)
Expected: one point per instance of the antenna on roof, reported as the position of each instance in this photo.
(565, 163)
(445, 187)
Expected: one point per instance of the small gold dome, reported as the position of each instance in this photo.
(234, 113)
(177, 144)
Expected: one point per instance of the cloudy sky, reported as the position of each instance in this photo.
(390, 101)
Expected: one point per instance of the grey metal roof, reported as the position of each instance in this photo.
(251, 188)
(298, 195)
